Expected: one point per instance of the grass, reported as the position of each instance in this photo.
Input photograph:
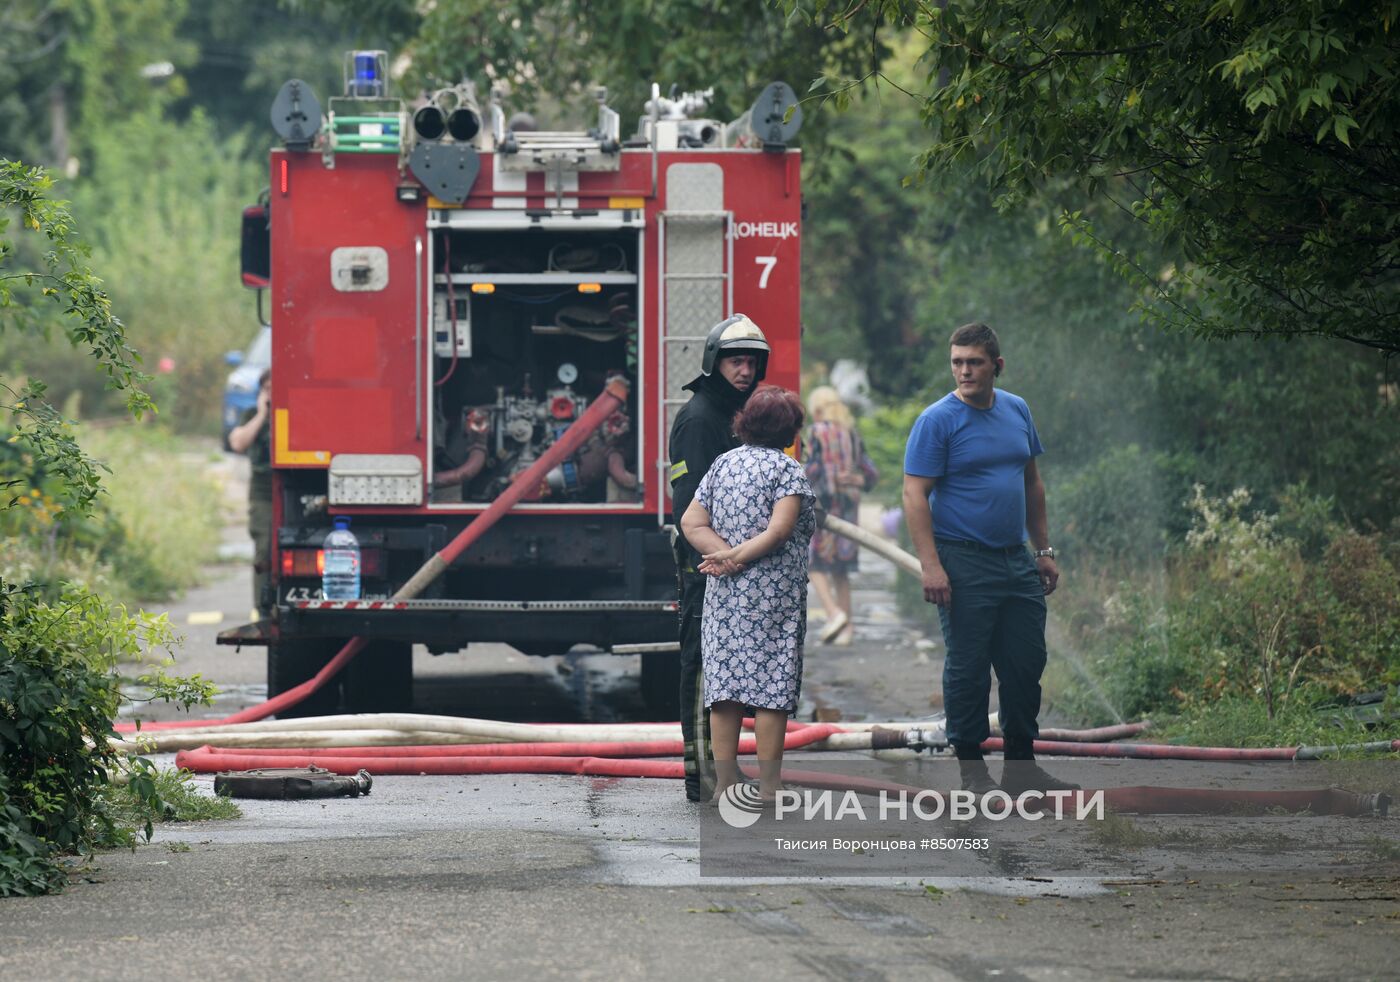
(1384, 850)
(154, 527)
(1120, 832)
(183, 803)
(1241, 722)
(168, 506)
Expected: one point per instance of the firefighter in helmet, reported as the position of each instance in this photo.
(734, 361)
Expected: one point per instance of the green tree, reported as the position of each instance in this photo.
(869, 240)
(1264, 413)
(244, 52)
(60, 276)
(69, 66)
(1255, 142)
(554, 51)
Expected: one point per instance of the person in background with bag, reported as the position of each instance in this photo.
(839, 469)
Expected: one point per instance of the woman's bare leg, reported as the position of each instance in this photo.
(830, 605)
(841, 585)
(770, 728)
(726, 720)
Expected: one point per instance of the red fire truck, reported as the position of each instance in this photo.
(449, 291)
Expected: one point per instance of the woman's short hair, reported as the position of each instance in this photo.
(771, 418)
(824, 403)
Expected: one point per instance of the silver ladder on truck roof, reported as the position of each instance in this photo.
(696, 288)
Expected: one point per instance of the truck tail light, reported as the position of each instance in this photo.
(312, 562)
(483, 288)
(590, 288)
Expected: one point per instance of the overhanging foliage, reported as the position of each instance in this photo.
(1256, 142)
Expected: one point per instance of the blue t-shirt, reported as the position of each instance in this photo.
(979, 457)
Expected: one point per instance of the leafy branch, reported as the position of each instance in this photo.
(58, 274)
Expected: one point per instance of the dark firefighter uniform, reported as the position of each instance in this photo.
(260, 516)
(703, 429)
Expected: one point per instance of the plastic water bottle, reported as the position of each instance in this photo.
(340, 576)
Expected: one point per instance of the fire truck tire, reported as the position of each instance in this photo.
(661, 684)
(293, 662)
(380, 678)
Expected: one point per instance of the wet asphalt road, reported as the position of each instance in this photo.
(573, 877)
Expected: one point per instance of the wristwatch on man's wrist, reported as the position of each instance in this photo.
(1048, 553)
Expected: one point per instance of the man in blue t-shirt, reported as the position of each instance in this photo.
(972, 496)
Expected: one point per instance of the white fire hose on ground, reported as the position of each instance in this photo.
(876, 544)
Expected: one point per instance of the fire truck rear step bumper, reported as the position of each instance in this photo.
(456, 622)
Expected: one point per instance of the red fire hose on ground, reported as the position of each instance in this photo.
(542, 759)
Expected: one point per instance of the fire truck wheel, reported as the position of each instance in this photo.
(661, 684)
(380, 678)
(293, 662)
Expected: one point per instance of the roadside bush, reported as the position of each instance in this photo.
(1245, 617)
(1240, 721)
(1118, 509)
(41, 540)
(59, 691)
(167, 200)
(178, 799)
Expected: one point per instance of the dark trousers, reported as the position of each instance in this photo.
(260, 528)
(695, 719)
(996, 622)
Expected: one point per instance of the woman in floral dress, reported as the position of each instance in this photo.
(751, 519)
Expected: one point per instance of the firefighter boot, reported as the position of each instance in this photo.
(973, 769)
(1020, 772)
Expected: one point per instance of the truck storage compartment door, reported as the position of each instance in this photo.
(348, 269)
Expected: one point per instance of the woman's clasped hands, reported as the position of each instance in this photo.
(721, 563)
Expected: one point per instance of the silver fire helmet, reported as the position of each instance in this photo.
(731, 336)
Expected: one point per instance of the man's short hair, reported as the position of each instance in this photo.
(977, 335)
(771, 418)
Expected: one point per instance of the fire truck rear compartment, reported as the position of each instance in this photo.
(605, 559)
(527, 327)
